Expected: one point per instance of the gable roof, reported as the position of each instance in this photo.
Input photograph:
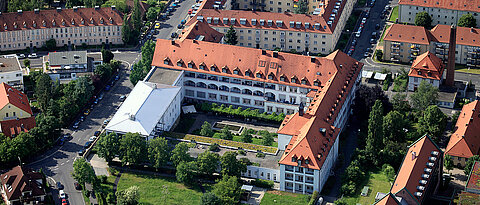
(427, 65)
(20, 180)
(201, 31)
(388, 199)
(407, 33)
(461, 5)
(63, 18)
(8, 94)
(413, 167)
(465, 141)
(13, 127)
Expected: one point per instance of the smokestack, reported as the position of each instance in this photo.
(451, 57)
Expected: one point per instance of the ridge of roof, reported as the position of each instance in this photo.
(462, 5)
(465, 141)
(408, 33)
(429, 63)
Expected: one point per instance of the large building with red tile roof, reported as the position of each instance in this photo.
(201, 31)
(22, 186)
(403, 43)
(77, 26)
(426, 67)
(388, 199)
(15, 113)
(465, 140)
(446, 12)
(473, 182)
(274, 82)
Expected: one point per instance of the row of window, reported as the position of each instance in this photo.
(282, 46)
(19, 45)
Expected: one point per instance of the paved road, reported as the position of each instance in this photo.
(167, 27)
(57, 163)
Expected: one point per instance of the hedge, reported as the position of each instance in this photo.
(246, 113)
(230, 143)
(263, 183)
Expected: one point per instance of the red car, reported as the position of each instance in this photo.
(190, 11)
(64, 202)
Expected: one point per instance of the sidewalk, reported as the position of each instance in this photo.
(99, 165)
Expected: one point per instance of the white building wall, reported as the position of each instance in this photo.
(283, 141)
(414, 82)
(262, 173)
(407, 14)
(13, 78)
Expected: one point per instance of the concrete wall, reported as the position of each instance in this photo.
(283, 141)
(262, 173)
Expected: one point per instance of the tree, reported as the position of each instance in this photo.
(26, 62)
(83, 171)
(126, 30)
(423, 19)
(206, 129)
(83, 90)
(226, 134)
(302, 7)
(231, 36)
(389, 172)
(152, 13)
(51, 44)
(366, 97)
(43, 90)
(393, 125)
(108, 146)
(119, 4)
(25, 5)
(230, 164)
(267, 139)
(180, 154)
(130, 196)
(424, 96)
(210, 198)
(469, 164)
(400, 102)
(133, 148)
(448, 163)
(467, 20)
(379, 54)
(375, 131)
(246, 137)
(433, 122)
(107, 55)
(104, 71)
(186, 172)
(228, 190)
(158, 152)
(207, 162)
(137, 15)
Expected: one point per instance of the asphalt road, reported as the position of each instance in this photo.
(57, 163)
(168, 26)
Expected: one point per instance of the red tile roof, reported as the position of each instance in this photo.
(407, 33)
(388, 199)
(20, 180)
(465, 141)
(292, 68)
(197, 29)
(429, 65)
(8, 94)
(461, 5)
(413, 165)
(46, 18)
(465, 36)
(11, 128)
(473, 181)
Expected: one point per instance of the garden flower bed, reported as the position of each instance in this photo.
(229, 143)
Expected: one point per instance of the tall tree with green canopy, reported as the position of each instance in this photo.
(104, 71)
(231, 36)
(158, 152)
(119, 4)
(206, 129)
(108, 146)
(228, 190)
(375, 132)
(25, 5)
(448, 163)
(246, 137)
(83, 171)
(107, 55)
(130, 196)
(467, 20)
(424, 96)
(43, 90)
(126, 30)
(226, 134)
(423, 19)
(133, 148)
(393, 125)
(210, 198)
(186, 172)
(230, 165)
(433, 122)
(208, 162)
(180, 154)
(400, 103)
(302, 7)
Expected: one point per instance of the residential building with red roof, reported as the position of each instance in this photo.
(77, 26)
(473, 182)
(426, 67)
(11, 71)
(388, 199)
(22, 186)
(403, 43)
(446, 12)
(465, 140)
(201, 31)
(15, 113)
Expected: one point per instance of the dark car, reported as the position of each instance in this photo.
(117, 77)
(377, 26)
(372, 41)
(81, 152)
(107, 88)
(87, 144)
(77, 186)
(179, 26)
(75, 125)
(354, 42)
(349, 53)
(67, 136)
(174, 35)
(97, 133)
(367, 14)
(59, 186)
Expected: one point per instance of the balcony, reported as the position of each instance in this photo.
(236, 81)
(394, 54)
(258, 85)
(249, 83)
(270, 86)
(213, 78)
(394, 59)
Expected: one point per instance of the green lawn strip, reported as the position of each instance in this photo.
(394, 15)
(377, 182)
(280, 197)
(231, 143)
(383, 34)
(466, 70)
(152, 189)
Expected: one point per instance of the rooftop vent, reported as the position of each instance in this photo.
(36, 11)
(423, 182)
(264, 52)
(59, 9)
(312, 59)
(420, 188)
(434, 153)
(432, 159)
(323, 131)
(173, 42)
(19, 11)
(427, 170)
(425, 176)
(429, 164)
(131, 117)
(75, 8)
(114, 7)
(419, 194)
(64, 57)
(97, 7)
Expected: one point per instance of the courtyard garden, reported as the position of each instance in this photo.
(280, 197)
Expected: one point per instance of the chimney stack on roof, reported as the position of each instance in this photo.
(312, 59)
(19, 11)
(97, 7)
(113, 7)
(59, 9)
(300, 109)
(451, 57)
(75, 9)
(275, 54)
(472, 30)
(173, 42)
(264, 52)
(36, 11)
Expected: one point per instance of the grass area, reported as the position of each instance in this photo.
(186, 122)
(383, 34)
(280, 197)
(160, 190)
(236, 138)
(394, 15)
(464, 69)
(377, 182)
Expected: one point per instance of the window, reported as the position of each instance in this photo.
(235, 99)
(200, 94)
(259, 75)
(246, 101)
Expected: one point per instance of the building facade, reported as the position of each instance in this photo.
(11, 71)
(442, 12)
(77, 26)
(15, 113)
(426, 67)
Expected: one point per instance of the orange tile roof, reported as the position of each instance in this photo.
(13, 127)
(413, 165)
(465, 36)
(292, 68)
(407, 33)
(473, 182)
(199, 28)
(388, 199)
(45, 18)
(8, 94)
(429, 65)
(291, 123)
(461, 5)
(465, 141)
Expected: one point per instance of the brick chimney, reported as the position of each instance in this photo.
(451, 57)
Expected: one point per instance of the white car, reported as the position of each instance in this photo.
(33, 55)
(364, 20)
(358, 34)
(61, 194)
(92, 138)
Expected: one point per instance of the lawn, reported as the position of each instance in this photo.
(464, 69)
(280, 197)
(383, 34)
(378, 183)
(257, 141)
(160, 190)
(394, 15)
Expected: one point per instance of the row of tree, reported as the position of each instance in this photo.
(240, 112)
(143, 66)
(132, 25)
(424, 19)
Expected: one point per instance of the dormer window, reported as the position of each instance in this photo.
(282, 78)
(236, 71)
(82, 21)
(259, 75)
(190, 64)
(225, 69)
(419, 72)
(271, 76)
(294, 80)
(307, 161)
(91, 20)
(101, 20)
(111, 20)
(34, 24)
(247, 73)
(429, 74)
(304, 81)
(44, 23)
(213, 67)
(166, 61)
(294, 159)
(180, 63)
(5, 26)
(316, 83)
(14, 26)
(24, 25)
(53, 23)
(202, 66)
(73, 22)
(63, 22)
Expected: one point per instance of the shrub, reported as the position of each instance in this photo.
(314, 198)
(113, 171)
(231, 143)
(103, 179)
(263, 183)
(245, 161)
(246, 113)
(242, 152)
(260, 155)
(214, 147)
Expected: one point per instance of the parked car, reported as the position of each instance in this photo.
(179, 26)
(366, 54)
(87, 144)
(100, 97)
(377, 26)
(358, 34)
(174, 35)
(97, 133)
(191, 10)
(96, 101)
(82, 118)
(33, 55)
(105, 123)
(157, 25)
(64, 202)
(354, 42)
(92, 138)
(21, 56)
(77, 186)
(183, 21)
(107, 88)
(372, 41)
(364, 20)
(349, 53)
(80, 153)
(62, 194)
(76, 124)
(67, 136)
(59, 186)
(61, 141)
(122, 98)
(367, 14)
(87, 112)
(117, 77)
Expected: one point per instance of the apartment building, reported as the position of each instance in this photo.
(277, 6)
(317, 33)
(446, 12)
(426, 67)
(11, 71)
(77, 26)
(403, 43)
(201, 31)
(465, 141)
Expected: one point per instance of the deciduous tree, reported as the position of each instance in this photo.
(208, 162)
(302, 7)
(210, 198)
(375, 131)
(158, 152)
(186, 172)
(226, 134)
(130, 196)
(228, 190)
(206, 129)
(133, 148)
(448, 163)
(108, 146)
(230, 164)
(246, 137)
(393, 125)
(467, 20)
(83, 171)
(424, 96)
(180, 154)
(231, 36)
(469, 164)
(43, 90)
(433, 122)
(423, 19)
(107, 55)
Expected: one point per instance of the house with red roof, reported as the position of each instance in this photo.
(465, 140)
(15, 113)
(22, 186)
(201, 31)
(473, 182)
(388, 199)
(426, 67)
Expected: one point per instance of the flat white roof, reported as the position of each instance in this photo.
(143, 108)
(380, 76)
(367, 74)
